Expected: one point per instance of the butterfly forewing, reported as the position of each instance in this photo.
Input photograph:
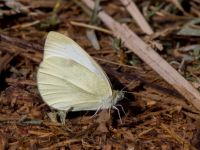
(59, 45)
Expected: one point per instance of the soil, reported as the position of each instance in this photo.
(156, 116)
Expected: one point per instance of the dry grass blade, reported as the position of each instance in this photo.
(80, 24)
(20, 82)
(178, 5)
(136, 14)
(90, 33)
(60, 144)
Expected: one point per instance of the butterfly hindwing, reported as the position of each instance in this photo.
(64, 83)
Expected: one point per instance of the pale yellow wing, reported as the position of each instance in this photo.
(59, 45)
(64, 83)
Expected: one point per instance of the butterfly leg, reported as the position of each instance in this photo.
(118, 113)
(122, 108)
(96, 112)
(62, 115)
(53, 116)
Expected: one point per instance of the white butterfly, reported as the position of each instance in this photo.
(69, 79)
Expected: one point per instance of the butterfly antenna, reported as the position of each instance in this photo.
(118, 113)
(128, 92)
(126, 86)
(125, 96)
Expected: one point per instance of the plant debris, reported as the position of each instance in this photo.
(156, 115)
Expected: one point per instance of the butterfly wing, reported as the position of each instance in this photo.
(64, 84)
(59, 45)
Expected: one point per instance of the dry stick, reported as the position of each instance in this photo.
(80, 24)
(20, 43)
(136, 14)
(62, 143)
(148, 55)
(20, 82)
(4, 61)
(22, 26)
(35, 57)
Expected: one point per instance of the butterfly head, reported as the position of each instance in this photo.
(117, 96)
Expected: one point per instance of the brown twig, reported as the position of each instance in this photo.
(20, 82)
(80, 24)
(35, 56)
(62, 143)
(4, 61)
(136, 14)
(20, 43)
